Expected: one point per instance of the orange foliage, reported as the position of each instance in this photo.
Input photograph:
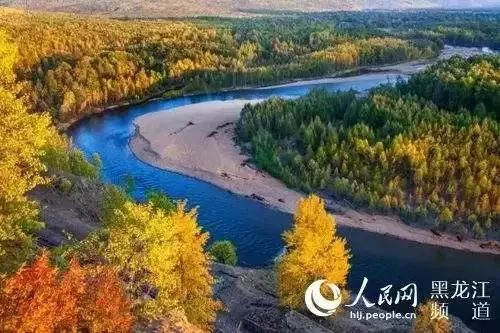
(28, 300)
(42, 299)
(104, 307)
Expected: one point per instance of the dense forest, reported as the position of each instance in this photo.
(460, 84)
(71, 66)
(409, 148)
(427, 148)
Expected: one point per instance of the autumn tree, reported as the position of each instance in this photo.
(40, 298)
(176, 322)
(425, 323)
(8, 56)
(23, 137)
(103, 306)
(314, 251)
(160, 253)
(27, 299)
(112, 61)
(388, 151)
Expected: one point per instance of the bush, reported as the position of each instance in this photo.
(72, 161)
(65, 185)
(81, 167)
(161, 201)
(424, 322)
(55, 159)
(477, 230)
(114, 198)
(224, 252)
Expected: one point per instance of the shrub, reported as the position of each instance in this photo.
(224, 252)
(161, 201)
(425, 323)
(81, 167)
(65, 185)
(59, 159)
(477, 230)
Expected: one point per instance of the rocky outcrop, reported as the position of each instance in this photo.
(69, 208)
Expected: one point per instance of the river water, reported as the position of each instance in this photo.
(255, 229)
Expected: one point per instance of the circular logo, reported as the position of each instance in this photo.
(319, 305)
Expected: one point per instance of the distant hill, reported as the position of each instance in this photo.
(169, 8)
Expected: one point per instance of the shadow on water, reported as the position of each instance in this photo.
(256, 229)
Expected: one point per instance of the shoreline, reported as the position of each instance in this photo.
(159, 95)
(403, 68)
(197, 141)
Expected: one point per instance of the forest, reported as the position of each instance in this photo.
(70, 74)
(129, 270)
(427, 149)
(408, 148)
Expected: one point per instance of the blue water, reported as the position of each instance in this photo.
(255, 229)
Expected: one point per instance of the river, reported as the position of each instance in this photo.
(255, 229)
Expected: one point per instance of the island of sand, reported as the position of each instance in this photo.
(198, 140)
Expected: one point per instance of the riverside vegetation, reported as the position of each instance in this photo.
(150, 257)
(427, 148)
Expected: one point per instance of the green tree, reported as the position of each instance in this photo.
(224, 252)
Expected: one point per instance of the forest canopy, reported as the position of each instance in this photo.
(420, 148)
(71, 66)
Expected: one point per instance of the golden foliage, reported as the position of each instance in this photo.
(8, 55)
(424, 323)
(70, 73)
(176, 322)
(161, 255)
(385, 151)
(314, 251)
(23, 137)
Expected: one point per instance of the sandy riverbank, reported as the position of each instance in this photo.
(197, 140)
(405, 68)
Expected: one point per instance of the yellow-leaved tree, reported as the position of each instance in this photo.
(314, 251)
(425, 323)
(23, 137)
(8, 55)
(160, 253)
